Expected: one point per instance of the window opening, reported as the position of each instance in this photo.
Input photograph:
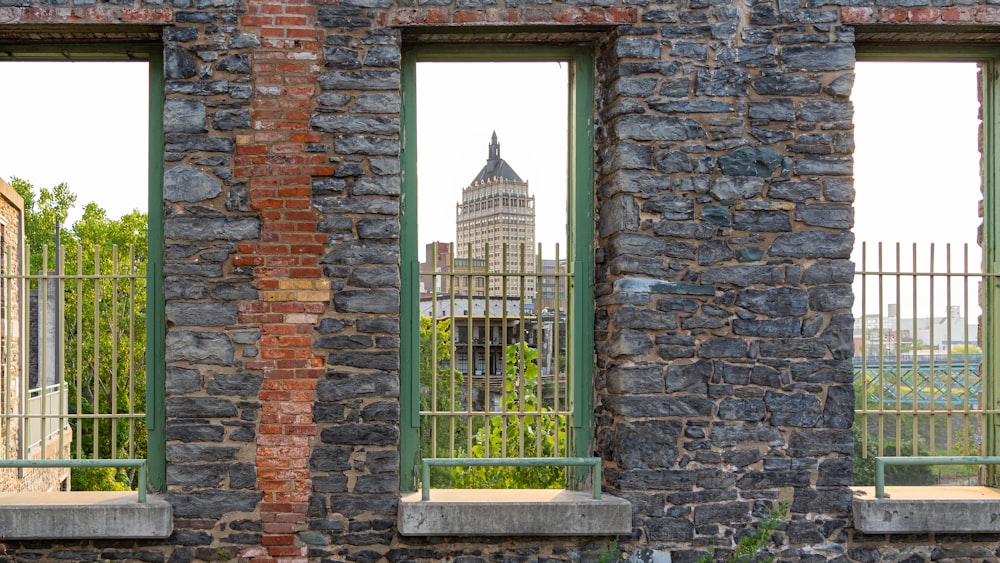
(85, 379)
(920, 380)
(503, 369)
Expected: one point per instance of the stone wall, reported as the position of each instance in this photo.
(723, 325)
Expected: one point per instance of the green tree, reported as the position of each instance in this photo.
(104, 323)
(440, 389)
(961, 349)
(43, 209)
(541, 434)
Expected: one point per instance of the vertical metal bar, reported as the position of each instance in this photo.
(432, 419)
(864, 350)
(78, 439)
(915, 373)
(931, 395)
(470, 349)
(97, 353)
(132, 268)
(43, 356)
(115, 316)
(949, 372)
(61, 348)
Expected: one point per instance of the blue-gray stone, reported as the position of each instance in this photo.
(813, 244)
(658, 128)
(647, 444)
(199, 347)
(230, 120)
(367, 300)
(184, 116)
(826, 110)
(782, 109)
(360, 80)
(775, 302)
(722, 82)
(798, 409)
(750, 254)
(762, 221)
(716, 215)
(337, 123)
(197, 314)
(377, 103)
(794, 191)
(813, 58)
(743, 276)
(187, 183)
(713, 252)
(638, 48)
(787, 327)
(730, 188)
(648, 285)
(834, 216)
(188, 227)
(831, 297)
(236, 64)
(791, 85)
(748, 161)
(620, 213)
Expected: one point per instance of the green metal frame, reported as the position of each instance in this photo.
(151, 53)
(989, 59)
(881, 462)
(594, 463)
(580, 239)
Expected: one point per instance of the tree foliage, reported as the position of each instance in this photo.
(540, 433)
(440, 389)
(104, 322)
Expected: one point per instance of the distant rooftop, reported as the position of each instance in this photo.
(496, 167)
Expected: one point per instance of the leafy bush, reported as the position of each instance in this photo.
(532, 435)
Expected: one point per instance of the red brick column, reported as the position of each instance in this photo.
(292, 291)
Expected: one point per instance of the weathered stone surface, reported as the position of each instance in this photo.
(187, 227)
(813, 244)
(647, 444)
(199, 347)
(777, 302)
(187, 183)
(184, 116)
(730, 188)
(201, 314)
(747, 161)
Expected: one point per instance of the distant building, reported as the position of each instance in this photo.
(497, 209)
(24, 433)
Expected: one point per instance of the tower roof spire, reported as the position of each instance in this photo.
(496, 167)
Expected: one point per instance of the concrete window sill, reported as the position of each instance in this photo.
(924, 510)
(531, 512)
(84, 515)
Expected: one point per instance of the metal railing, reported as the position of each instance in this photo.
(72, 377)
(495, 383)
(918, 370)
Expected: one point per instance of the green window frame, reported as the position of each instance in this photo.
(988, 57)
(580, 235)
(151, 53)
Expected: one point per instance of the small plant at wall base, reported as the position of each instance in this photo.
(540, 434)
(749, 547)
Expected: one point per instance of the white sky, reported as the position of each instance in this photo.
(916, 159)
(83, 123)
(459, 106)
(917, 180)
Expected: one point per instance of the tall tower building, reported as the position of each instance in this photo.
(497, 209)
